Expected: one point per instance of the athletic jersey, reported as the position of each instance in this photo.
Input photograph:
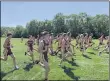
(9, 49)
(30, 43)
(85, 39)
(89, 39)
(65, 48)
(82, 40)
(8, 45)
(45, 53)
(64, 40)
(45, 44)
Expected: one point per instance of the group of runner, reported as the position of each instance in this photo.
(45, 45)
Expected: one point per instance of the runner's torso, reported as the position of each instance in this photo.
(30, 43)
(68, 40)
(85, 40)
(45, 45)
(90, 39)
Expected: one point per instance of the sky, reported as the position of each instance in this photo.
(19, 13)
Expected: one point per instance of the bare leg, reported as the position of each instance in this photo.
(32, 56)
(47, 69)
(14, 61)
(69, 54)
(103, 50)
(41, 59)
(5, 56)
(84, 49)
(63, 58)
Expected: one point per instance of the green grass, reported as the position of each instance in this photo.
(90, 67)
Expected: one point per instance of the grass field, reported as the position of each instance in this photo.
(88, 67)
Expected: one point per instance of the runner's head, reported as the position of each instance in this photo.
(44, 35)
(69, 34)
(41, 35)
(91, 34)
(86, 34)
(51, 34)
(9, 35)
(47, 35)
(64, 35)
(60, 35)
(81, 35)
(30, 37)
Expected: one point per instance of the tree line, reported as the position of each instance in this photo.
(74, 23)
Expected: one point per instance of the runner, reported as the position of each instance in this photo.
(106, 47)
(37, 40)
(43, 50)
(90, 42)
(82, 47)
(64, 49)
(50, 44)
(30, 44)
(59, 40)
(34, 39)
(85, 44)
(7, 51)
(100, 42)
(77, 40)
(21, 39)
(69, 44)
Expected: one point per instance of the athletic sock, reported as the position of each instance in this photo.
(16, 67)
(46, 79)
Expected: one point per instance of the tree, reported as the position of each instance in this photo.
(74, 23)
(18, 31)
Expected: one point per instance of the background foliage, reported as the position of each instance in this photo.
(75, 23)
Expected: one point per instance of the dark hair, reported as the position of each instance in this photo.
(9, 34)
(64, 34)
(91, 34)
(85, 34)
(43, 33)
(51, 34)
(68, 33)
(30, 36)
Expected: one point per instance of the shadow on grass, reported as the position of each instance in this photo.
(3, 74)
(72, 63)
(28, 67)
(91, 53)
(107, 52)
(69, 72)
(86, 56)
